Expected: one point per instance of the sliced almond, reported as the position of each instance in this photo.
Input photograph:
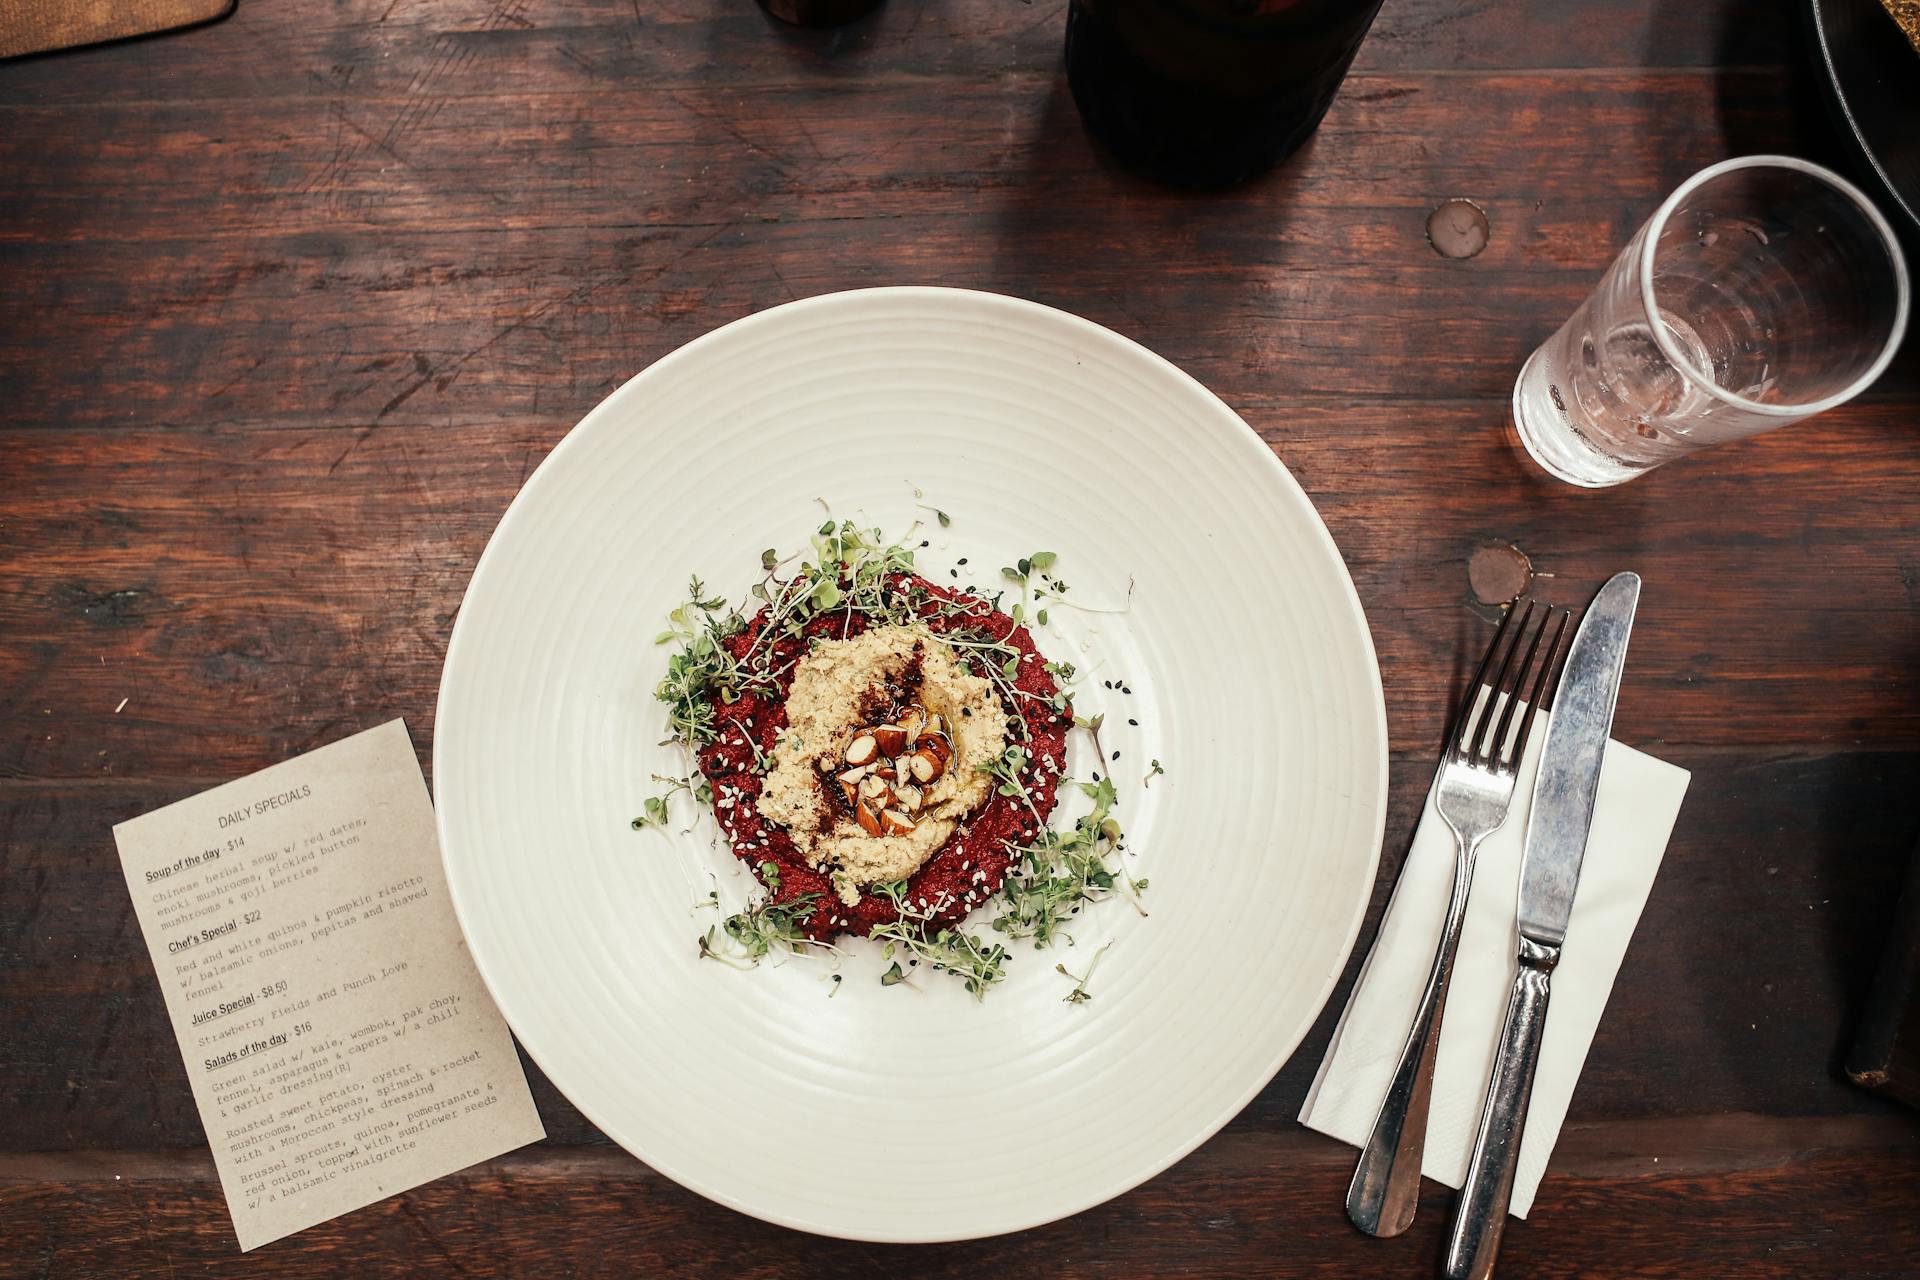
(913, 722)
(925, 767)
(869, 820)
(941, 749)
(872, 786)
(891, 739)
(849, 789)
(909, 797)
(896, 823)
(934, 724)
(862, 750)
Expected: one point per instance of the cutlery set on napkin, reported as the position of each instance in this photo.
(1527, 753)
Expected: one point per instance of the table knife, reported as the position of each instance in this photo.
(1557, 826)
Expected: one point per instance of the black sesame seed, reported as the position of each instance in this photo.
(963, 559)
(1096, 775)
(953, 573)
(1133, 722)
(1116, 755)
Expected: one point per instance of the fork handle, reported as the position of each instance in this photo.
(1480, 1214)
(1385, 1189)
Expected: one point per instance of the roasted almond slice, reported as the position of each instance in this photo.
(926, 766)
(913, 722)
(869, 820)
(862, 750)
(849, 789)
(934, 724)
(891, 739)
(895, 822)
(942, 750)
(872, 786)
(909, 797)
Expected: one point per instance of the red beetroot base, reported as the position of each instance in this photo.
(964, 872)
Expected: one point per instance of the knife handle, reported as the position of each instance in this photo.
(1480, 1214)
(1385, 1189)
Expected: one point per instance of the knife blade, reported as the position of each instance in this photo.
(1576, 742)
(1557, 827)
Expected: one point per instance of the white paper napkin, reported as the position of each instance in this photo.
(1638, 800)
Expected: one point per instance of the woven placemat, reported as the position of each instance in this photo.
(1907, 14)
(34, 26)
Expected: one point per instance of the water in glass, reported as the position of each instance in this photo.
(1763, 291)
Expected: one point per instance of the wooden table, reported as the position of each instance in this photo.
(293, 303)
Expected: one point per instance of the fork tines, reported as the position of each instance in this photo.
(1528, 666)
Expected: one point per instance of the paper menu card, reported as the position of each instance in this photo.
(338, 1039)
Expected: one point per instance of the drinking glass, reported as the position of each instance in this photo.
(1765, 290)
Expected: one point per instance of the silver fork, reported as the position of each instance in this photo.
(1472, 791)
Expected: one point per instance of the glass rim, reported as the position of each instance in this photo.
(1703, 378)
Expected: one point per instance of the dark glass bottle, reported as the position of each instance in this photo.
(1209, 92)
(818, 13)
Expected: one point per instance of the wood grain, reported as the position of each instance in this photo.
(295, 303)
(1245, 1205)
(1755, 951)
(275, 48)
(293, 263)
(301, 581)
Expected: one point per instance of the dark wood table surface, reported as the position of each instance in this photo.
(291, 304)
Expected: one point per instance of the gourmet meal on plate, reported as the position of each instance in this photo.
(886, 754)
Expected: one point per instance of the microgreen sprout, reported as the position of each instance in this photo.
(1058, 872)
(744, 939)
(943, 948)
(655, 810)
(1080, 994)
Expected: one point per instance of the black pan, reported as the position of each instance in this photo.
(1873, 78)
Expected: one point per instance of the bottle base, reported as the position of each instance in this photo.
(1175, 133)
(818, 13)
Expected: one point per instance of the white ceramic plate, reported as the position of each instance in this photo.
(904, 1114)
